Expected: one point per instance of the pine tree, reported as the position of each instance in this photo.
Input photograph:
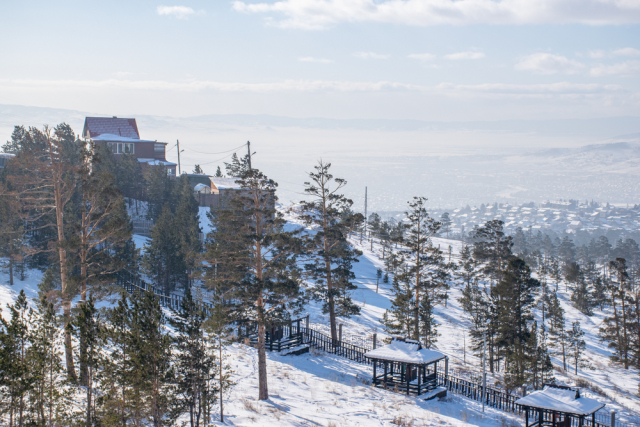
(540, 367)
(218, 173)
(16, 377)
(445, 220)
(159, 191)
(187, 221)
(397, 319)
(12, 239)
(250, 254)
(467, 269)
(198, 170)
(117, 375)
(424, 260)
(151, 356)
(557, 332)
(88, 331)
(163, 260)
(329, 255)
(492, 247)
(615, 329)
(476, 304)
(218, 326)
(428, 324)
(577, 346)
(49, 396)
(238, 166)
(43, 179)
(515, 301)
(102, 226)
(194, 362)
(582, 298)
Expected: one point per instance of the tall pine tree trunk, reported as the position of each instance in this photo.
(10, 271)
(332, 304)
(263, 390)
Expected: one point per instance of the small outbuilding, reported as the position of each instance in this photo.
(556, 406)
(408, 368)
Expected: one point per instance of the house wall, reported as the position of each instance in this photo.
(142, 150)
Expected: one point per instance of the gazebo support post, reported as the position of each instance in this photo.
(553, 414)
(385, 375)
(375, 362)
(420, 368)
(407, 376)
(540, 417)
(526, 416)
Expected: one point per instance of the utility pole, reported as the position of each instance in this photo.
(365, 212)
(484, 368)
(179, 171)
(249, 153)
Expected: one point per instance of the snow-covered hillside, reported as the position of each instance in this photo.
(318, 389)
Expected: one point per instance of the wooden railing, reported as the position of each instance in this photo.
(326, 343)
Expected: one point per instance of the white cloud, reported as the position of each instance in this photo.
(370, 55)
(422, 56)
(546, 63)
(180, 12)
(627, 68)
(465, 55)
(312, 59)
(492, 90)
(627, 51)
(320, 14)
(596, 54)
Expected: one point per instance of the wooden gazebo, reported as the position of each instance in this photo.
(408, 368)
(558, 407)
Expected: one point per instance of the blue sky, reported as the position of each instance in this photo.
(420, 59)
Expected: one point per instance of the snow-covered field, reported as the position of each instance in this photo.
(318, 389)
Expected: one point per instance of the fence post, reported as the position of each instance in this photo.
(307, 321)
(446, 372)
(375, 341)
(613, 418)
(340, 333)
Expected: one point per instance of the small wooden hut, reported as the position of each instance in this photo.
(555, 406)
(408, 368)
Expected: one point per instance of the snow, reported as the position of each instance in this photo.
(155, 162)
(225, 183)
(322, 389)
(555, 399)
(407, 352)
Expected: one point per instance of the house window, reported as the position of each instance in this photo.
(171, 171)
(121, 147)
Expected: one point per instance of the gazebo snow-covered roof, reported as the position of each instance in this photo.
(405, 351)
(554, 403)
(407, 367)
(556, 399)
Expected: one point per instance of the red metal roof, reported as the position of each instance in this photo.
(96, 126)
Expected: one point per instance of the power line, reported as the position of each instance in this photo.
(221, 152)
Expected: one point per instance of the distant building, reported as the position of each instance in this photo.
(122, 137)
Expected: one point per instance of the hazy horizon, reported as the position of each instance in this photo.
(453, 164)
